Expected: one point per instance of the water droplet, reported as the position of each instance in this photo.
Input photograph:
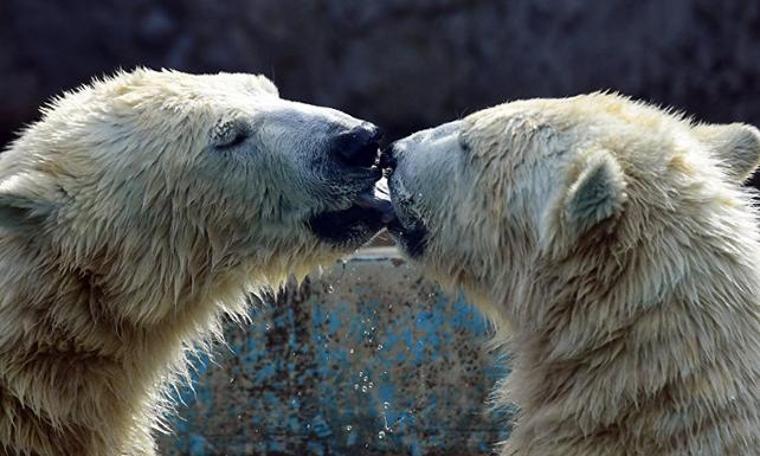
(348, 427)
(379, 347)
(381, 435)
(356, 386)
(330, 288)
(351, 351)
(386, 405)
(371, 385)
(364, 389)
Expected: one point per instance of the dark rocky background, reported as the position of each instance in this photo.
(403, 64)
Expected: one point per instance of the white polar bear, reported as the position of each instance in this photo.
(136, 213)
(612, 243)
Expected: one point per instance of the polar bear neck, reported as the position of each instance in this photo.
(627, 332)
(61, 325)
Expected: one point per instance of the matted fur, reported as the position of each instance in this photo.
(632, 310)
(124, 240)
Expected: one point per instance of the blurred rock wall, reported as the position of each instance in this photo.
(368, 358)
(404, 64)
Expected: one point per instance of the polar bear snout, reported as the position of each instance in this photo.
(387, 160)
(359, 146)
(406, 226)
(357, 152)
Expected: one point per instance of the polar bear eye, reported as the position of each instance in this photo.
(227, 135)
(463, 144)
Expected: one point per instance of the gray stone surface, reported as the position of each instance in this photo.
(367, 358)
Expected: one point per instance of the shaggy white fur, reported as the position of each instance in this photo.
(613, 246)
(135, 214)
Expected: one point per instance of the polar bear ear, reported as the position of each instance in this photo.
(23, 203)
(267, 85)
(736, 145)
(596, 194)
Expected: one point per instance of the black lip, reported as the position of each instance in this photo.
(413, 240)
(408, 230)
(385, 160)
(354, 226)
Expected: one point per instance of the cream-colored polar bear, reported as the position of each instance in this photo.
(140, 210)
(614, 240)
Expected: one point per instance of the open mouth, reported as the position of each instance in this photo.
(355, 225)
(370, 212)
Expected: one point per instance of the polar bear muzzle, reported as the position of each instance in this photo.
(356, 151)
(406, 226)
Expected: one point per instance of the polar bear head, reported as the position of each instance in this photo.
(483, 201)
(160, 180)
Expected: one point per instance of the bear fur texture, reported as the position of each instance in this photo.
(135, 215)
(614, 247)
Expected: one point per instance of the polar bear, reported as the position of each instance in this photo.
(134, 215)
(612, 242)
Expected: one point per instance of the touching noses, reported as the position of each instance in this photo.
(359, 146)
(389, 156)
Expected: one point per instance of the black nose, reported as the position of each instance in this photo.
(388, 157)
(359, 145)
